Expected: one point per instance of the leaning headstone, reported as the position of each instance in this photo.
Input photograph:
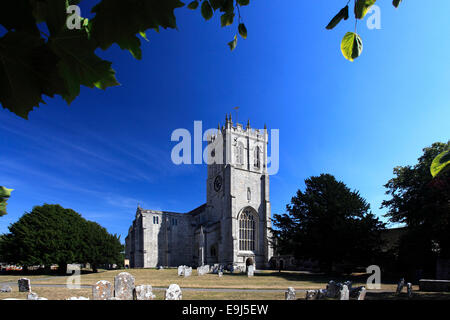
(181, 270)
(24, 285)
(6, 289)
(102, 290)
(32, 296)
(344, 293)
(332, 289)
(400, 286)
(124, 286)
(144, 292)
(187, 271)
(173, 292)
(290, 294)
(409, 289)
(362, 293)
(250, 270)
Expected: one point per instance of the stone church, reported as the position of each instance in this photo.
(231, 228)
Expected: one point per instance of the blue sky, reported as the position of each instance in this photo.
(110, 149)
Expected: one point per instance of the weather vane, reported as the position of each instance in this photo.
(236, 108)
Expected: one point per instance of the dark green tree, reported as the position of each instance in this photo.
(51, 234)
(423, 204)
(330, 223)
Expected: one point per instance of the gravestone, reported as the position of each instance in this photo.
(102, 290)
(311, 294)
(180, 270)
(144, 292)
(220, 274)
(24, 285)
(187, 271)
(332, 289)
(202, 270)
(409, 289)
(79, 298)
(250, 270)
(348, 284)
(124, 286)
(400, 286)
(344, 293)
(173, 292)
(32, 296)
(362, 293)
(6, 289)
(290, 294)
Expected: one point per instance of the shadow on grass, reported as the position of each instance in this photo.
(318, 278)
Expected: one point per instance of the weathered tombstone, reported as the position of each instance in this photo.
(181, 270)
(348, 284)
(354, 292)
(102, 290)
(160, 268)
(124, 286)
(344, 293)
(79, 298)
(321, 293)
(202, 270)
(32, 296)
(362, 293)
(311, 294)
(290, 294)
(400, 286)
(144, 292)
(24, 285)
(409, 289)
(187, 271)
(173, 292)
(332, 289)
(250, 270)
(6, 289)
(220, 274)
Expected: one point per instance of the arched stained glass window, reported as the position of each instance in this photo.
(246, 231)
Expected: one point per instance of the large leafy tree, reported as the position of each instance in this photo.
(423, 204)
(328, 222)
(52, 234)
(50, 49)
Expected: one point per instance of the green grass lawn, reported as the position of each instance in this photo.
(163, 278)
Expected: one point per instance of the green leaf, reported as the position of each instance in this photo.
(362, 6)
(441, 162)
(226, 19)
(53, 12)
(216, 4)
(351, 46)
(207, 11)
(396, 3)
(233, 44)
(193, 5)
(243, 2)
(342, 14)
(116, 21)
(228, 6)
(242, 30)
(28, 69)
(5, 192)
(79, 65)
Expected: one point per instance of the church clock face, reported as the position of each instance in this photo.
(218, 183)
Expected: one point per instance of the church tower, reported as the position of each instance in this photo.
(238, 196)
